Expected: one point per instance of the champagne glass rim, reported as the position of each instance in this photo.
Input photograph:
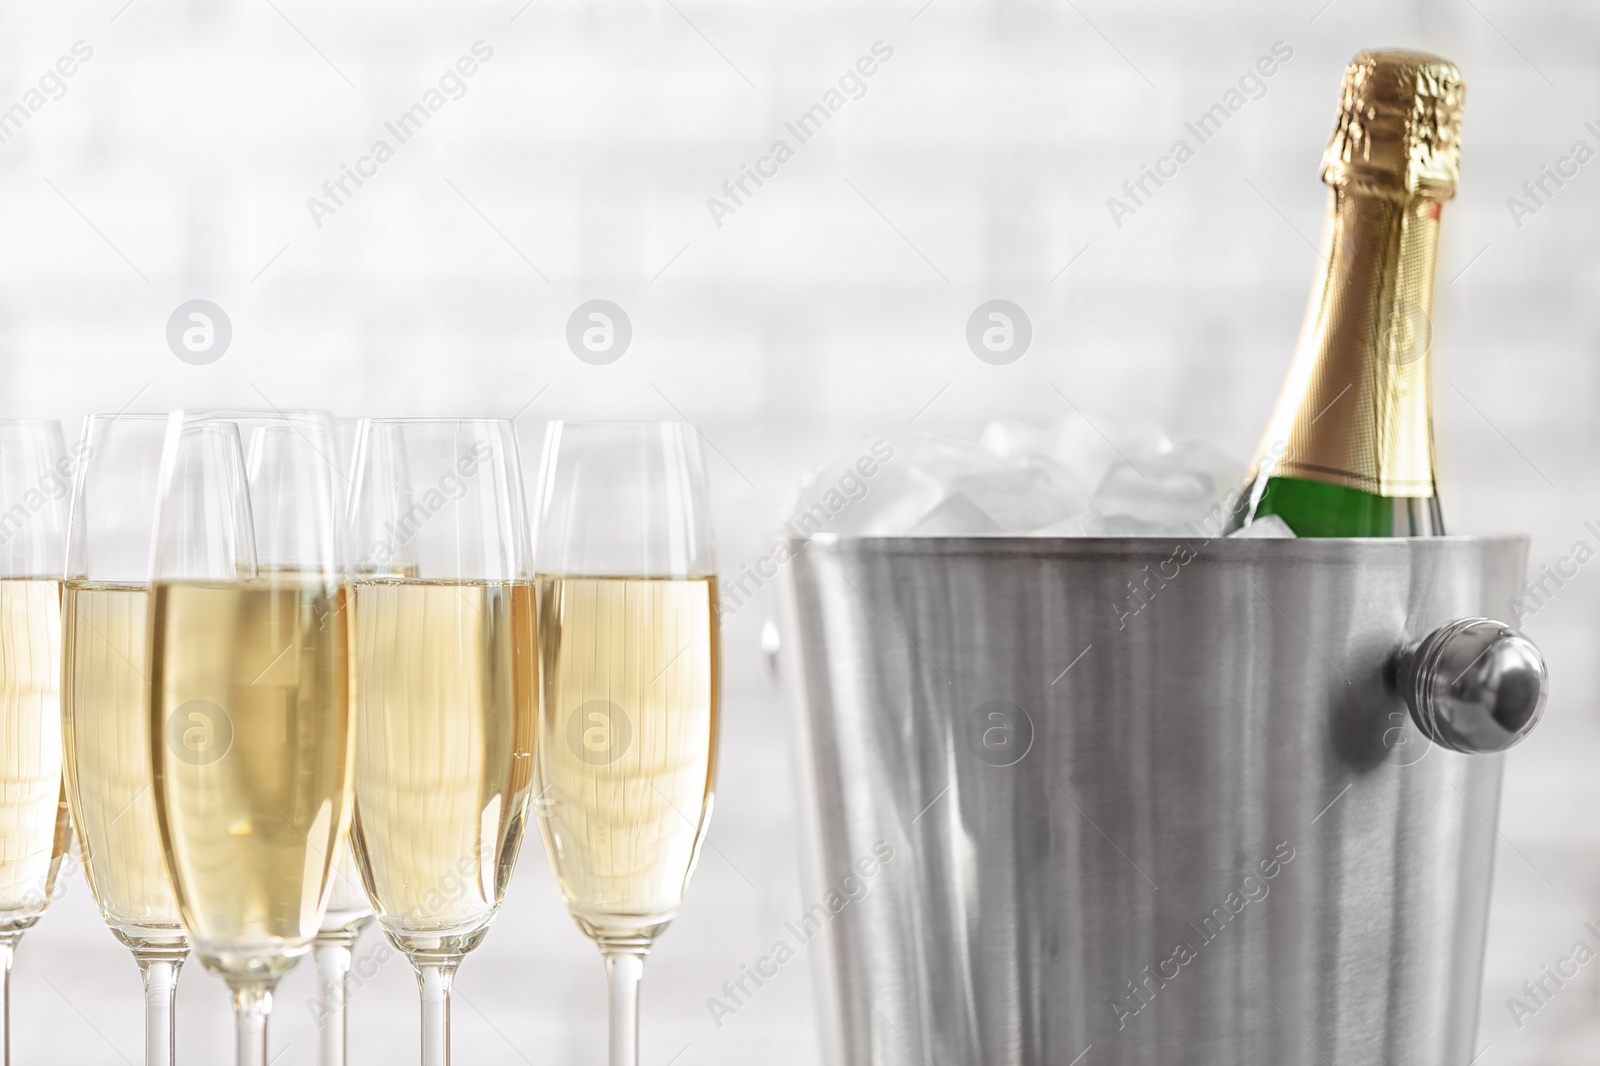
(435, 420)
(620, 423)
(10, 423)
(262, 414)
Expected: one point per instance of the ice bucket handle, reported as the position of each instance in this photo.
(1474, 685)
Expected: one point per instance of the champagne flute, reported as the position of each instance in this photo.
(34, 828)
(628, 711)
(348, 911)
(105, 722)
(443, 605)
(250, 727)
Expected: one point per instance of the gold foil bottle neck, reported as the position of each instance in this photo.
(1356, 408)
(1399, 127)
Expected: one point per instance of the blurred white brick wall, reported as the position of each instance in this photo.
(977, 165)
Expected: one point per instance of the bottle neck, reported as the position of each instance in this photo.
(1356, 409)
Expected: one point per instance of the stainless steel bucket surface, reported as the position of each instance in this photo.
(1149, 801)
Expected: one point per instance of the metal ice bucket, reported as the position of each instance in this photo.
(1135, 801)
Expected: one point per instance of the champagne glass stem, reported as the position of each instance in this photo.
(160, 973)
(251, 1005)
(8, 951)
(332, 953)
(434, 975)
(624, 970)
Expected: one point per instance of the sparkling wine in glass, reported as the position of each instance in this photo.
(250, 724)
(446, 688)
(104, 705)
(35, 478)
(628, 644)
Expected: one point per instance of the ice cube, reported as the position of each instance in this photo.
(1073, 487)
(1020, 499)
(1121, 525)
(1080, 476)
(1081, 447)
(871, 490)
(957, 516)
(1185, 490)
(949, 459)
(1016, 440)
(1082, 525)
(1267, 527)
(1075, 450)
(1092, 444)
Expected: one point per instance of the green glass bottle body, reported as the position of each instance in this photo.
(1323, 509)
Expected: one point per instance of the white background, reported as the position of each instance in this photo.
(178, 163)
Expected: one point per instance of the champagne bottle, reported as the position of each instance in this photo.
(1349, 449)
